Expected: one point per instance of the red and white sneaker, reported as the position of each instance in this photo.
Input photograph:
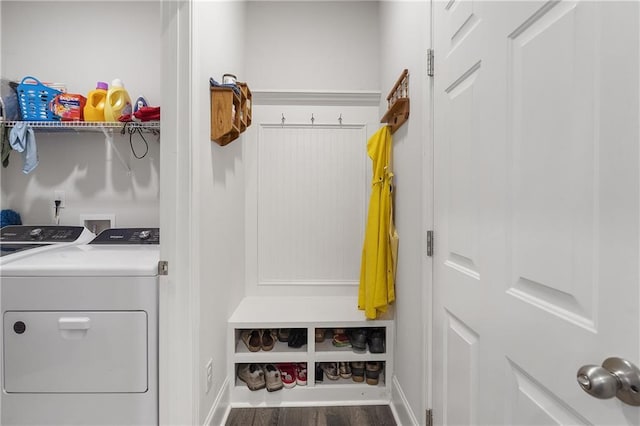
(288, 374)
(301, 373)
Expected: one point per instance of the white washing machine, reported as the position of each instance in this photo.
(80, 333)
(17, 241)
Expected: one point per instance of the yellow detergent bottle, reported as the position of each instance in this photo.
(94, 108)
(118, 101)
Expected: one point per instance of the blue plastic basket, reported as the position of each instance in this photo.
(35, 100)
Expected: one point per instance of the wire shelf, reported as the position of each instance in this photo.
(89, 126)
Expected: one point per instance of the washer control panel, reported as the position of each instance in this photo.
(40, 234)
(128, 236)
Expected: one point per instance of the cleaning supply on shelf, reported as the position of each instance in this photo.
(69, 106)
(118, 101)
(140, 102)
(96, 99)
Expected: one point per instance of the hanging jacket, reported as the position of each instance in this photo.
(379, 253)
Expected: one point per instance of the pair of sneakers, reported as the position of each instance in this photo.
(260, 376)
(293, 374)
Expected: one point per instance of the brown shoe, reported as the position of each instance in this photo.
(357, 370)
(253, 339)
(372, 372)
(268, 340)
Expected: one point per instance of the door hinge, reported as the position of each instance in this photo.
(429, 418)
(430, 62)
(163, 267)
(430, 243)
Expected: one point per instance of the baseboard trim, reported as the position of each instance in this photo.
(400, 407)
(220, 409)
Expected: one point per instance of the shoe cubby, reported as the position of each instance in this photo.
(325, 328)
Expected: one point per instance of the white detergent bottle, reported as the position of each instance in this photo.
(118, 101)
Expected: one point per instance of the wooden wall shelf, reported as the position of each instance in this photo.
(398, 103)
(230, 113)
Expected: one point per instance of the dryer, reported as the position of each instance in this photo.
(17, 241)
(80, 333)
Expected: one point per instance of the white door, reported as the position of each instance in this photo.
(537, 192)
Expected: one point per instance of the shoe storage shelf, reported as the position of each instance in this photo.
(309, 314)
(230, 113)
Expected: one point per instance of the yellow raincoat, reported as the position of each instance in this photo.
(379, 254)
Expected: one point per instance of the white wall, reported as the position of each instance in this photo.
(218, 173)
(404, 43)
(312, 45)
(304, 49)
(79, 43)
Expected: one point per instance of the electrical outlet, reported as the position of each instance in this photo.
(59, 195)
(209, 375)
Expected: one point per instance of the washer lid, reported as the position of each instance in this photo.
(88, 260)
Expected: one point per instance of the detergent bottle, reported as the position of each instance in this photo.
(118, 101)
(94, 108)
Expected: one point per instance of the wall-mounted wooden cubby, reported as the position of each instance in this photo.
(398, 103)
(230, 112)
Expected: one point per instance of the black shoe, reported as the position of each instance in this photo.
(358, 339)
(297, 338)
(376, 341)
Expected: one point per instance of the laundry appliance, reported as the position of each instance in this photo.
(80, 333)
(17, 241)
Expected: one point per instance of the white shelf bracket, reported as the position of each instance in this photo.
(108, 136)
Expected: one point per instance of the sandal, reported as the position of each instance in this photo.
(253, 339)
(357, 371)
(268, 340)
(373, 372)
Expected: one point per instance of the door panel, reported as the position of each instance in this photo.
(530, 403)
(536, 208)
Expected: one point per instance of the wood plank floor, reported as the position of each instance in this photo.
(361, 415)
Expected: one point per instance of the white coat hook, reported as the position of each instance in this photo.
(340, 119)
(312, 119)
(282, 121)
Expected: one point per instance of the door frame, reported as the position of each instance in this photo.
(178, 293)
(428, 225)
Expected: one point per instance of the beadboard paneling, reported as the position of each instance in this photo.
(311, 200)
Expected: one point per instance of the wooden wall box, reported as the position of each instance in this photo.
(230, 113)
